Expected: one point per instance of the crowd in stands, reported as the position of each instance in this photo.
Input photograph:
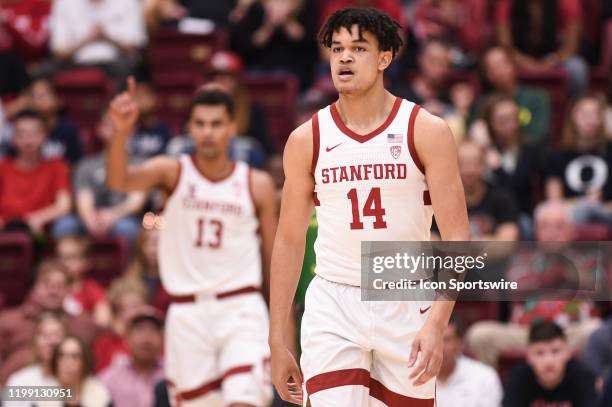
(525, 86)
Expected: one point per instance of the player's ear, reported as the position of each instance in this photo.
(384, 60)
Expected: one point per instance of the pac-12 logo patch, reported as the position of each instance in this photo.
(395, 151)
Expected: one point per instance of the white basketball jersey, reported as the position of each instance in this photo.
(367, 188)
(209, 242)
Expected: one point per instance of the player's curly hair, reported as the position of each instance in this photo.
(376, 22)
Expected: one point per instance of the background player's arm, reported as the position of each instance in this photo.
(288, 256)
(436, 148)
(264, 195)
(159, 171)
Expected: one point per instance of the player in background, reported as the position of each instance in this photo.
(374, 166)
(210, 254)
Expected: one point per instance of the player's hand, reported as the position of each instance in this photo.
(426, 353)
(124, 110)
(286, 375)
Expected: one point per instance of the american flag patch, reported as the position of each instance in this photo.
(395, 138)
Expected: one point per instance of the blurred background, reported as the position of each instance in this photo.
(525, 86)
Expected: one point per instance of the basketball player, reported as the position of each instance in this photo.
(376, 167)
(209, 254)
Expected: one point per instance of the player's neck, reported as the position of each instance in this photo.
(215, 168)
(367, 110)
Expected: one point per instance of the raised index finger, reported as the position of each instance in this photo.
(131, 82)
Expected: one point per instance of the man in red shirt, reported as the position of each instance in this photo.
(33, 191)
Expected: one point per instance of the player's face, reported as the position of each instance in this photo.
(356, 62)
(548, 359)
(211, 129)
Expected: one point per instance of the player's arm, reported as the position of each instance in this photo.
(158, 172)
(264, 195)
(437, 151)
(287, 257)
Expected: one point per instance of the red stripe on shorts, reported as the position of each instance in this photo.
(361, 377)
(213, 385)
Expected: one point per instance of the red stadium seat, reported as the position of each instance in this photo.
(16, 261)
(507, 360)
(173, 100)
(556, 83)
(277, 95)
(593, 232)
(109, 257)
(85, 93)
(175, 54)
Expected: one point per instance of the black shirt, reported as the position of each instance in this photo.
(583, 171)
(577, 389)
(496, 207)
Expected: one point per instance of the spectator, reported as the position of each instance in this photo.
(87, 296)
(487, 339)
(158, 12)
(606, 397)
(514, 164)
(144, 267)
(226, 69)
(544, 35)
(72, 366)
(278, 36)
(64, 138)
(34, 192)
(132, 382)
(462, 379)
(429, 87)
(49, 331)
(391, 7)
(492, 211)
(151, 136)
(217, 11)
(17, 325)
(101, 212)
(462, 22)
(583, 167)
(14, 76)
(498, 74)
(27, 22)
(550, 376)
(124, 295)
(105, 33)
(597, 355)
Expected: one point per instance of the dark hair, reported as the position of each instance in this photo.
(213, 96)
(29, 114)
(376, 22)
(545, 331)
(457, 322)
(86, 357)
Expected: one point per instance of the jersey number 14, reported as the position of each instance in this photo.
(373, 207)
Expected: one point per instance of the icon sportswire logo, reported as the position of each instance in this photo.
(328, 149)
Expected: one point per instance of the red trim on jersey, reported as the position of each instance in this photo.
(361, 377)
(178, 179)
(426, 198)
(215, 384)
(362, 138)
(213, 180)
(316, 142)
(411, 147)
(315, 199)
